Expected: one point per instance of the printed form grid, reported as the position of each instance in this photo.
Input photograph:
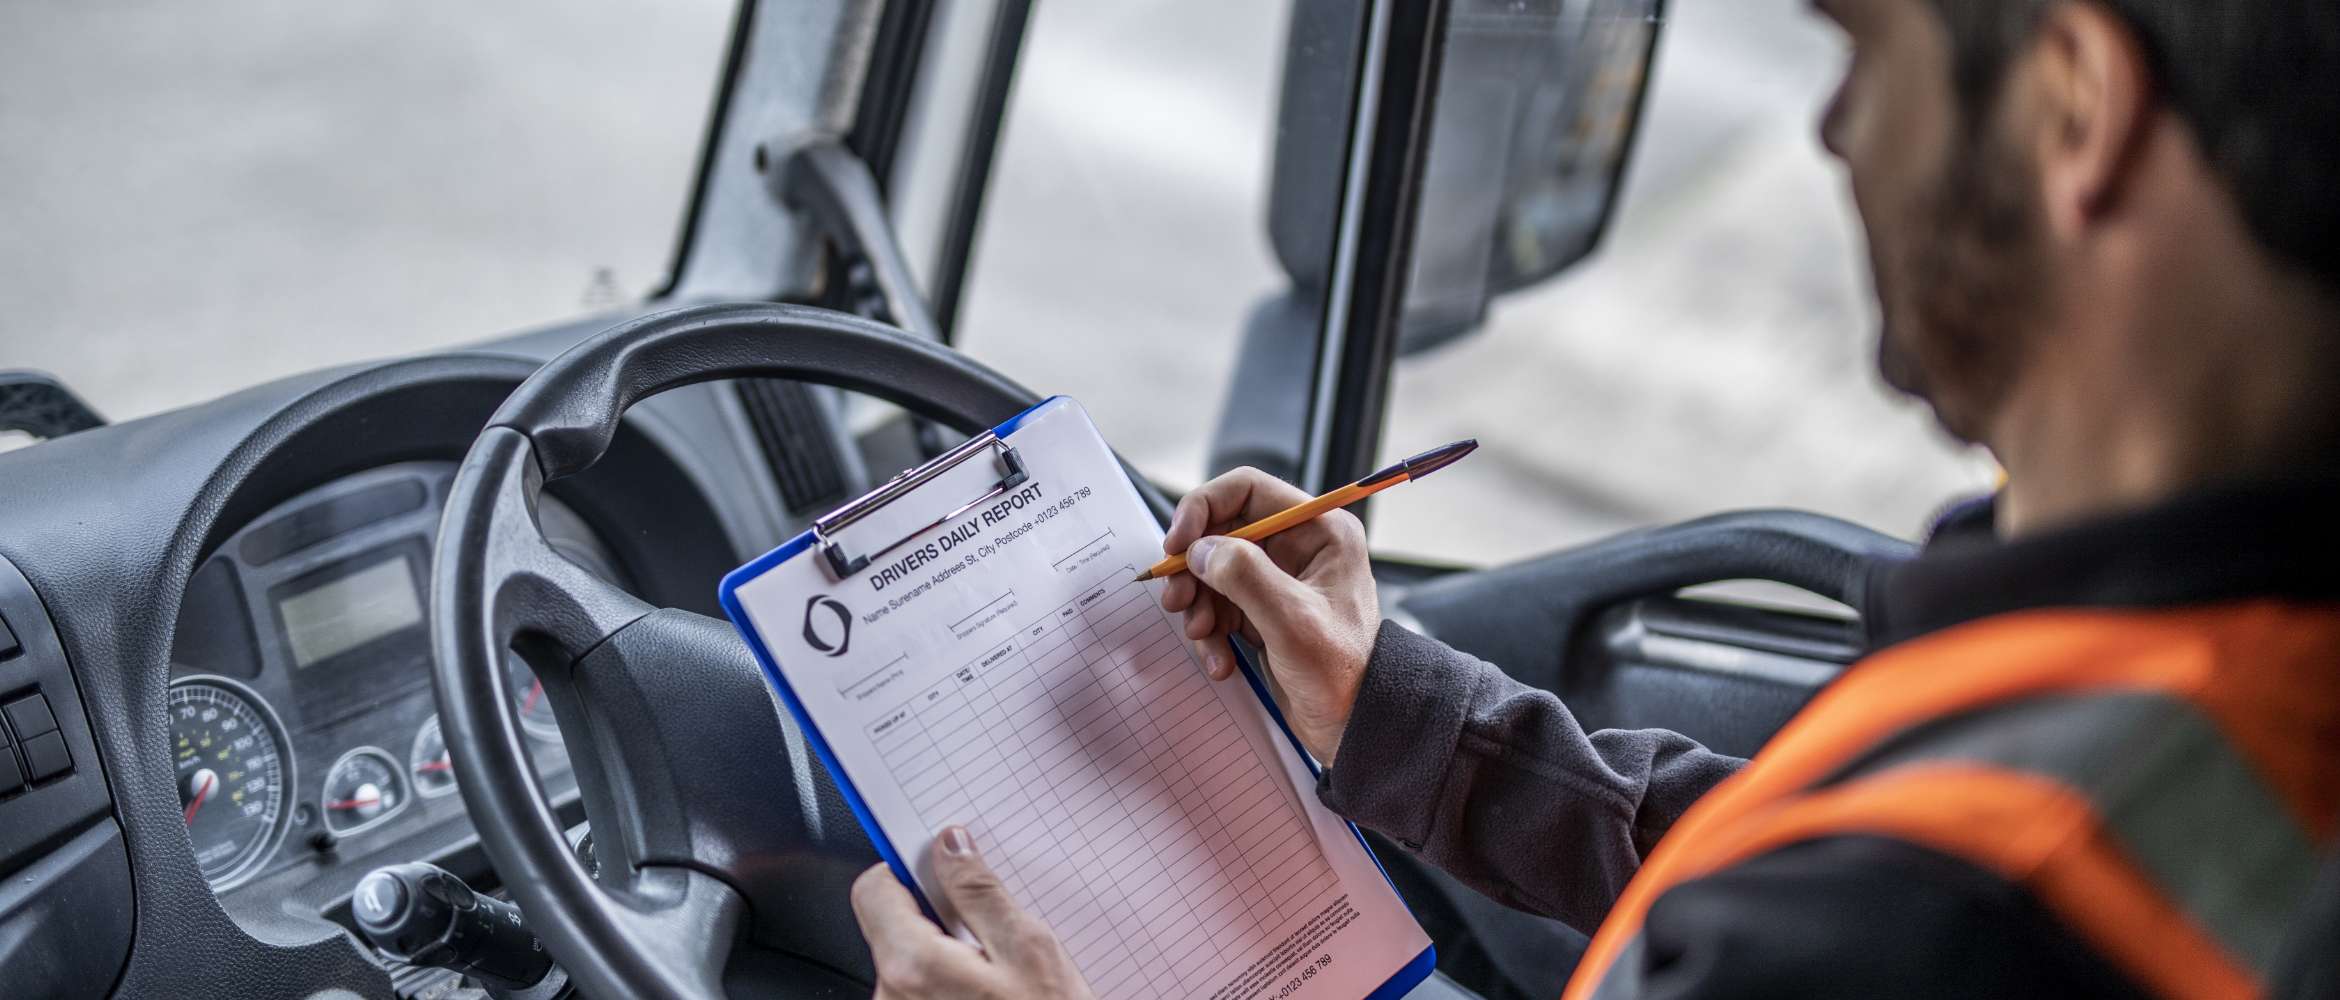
(1107, 784)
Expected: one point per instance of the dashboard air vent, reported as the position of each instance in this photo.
(792, 429)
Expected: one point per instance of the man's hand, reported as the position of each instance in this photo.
(1020, 957)
(1306, 598)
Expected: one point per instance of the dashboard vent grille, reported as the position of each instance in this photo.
(792, 429)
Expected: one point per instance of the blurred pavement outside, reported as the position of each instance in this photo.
(200, 197)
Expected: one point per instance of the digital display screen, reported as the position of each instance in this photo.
(341, 615)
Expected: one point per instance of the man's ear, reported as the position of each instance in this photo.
(2092, 91)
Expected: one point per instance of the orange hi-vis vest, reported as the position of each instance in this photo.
(2163, 782)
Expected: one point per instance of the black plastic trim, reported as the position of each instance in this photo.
(793, 431)
(896, 56)
(710, 143)
(65, 919)
(973, 180)
(1814, 638)
(1601, 626)
(1380, 261)
(1529, 615)
(36, 818)
(290, 533)
(40, 404)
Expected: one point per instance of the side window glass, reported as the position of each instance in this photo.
(1714, 353)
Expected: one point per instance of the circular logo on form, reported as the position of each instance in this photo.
(839, 620)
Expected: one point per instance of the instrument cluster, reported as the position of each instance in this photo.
(302, 723)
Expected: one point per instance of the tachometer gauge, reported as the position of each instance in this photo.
(233, 771)
(363, 788)
(433, 767)
(528, 697)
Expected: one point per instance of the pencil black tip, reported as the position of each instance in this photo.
(1143, 577)
(1438, 458)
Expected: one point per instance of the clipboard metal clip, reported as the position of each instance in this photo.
(843, 564)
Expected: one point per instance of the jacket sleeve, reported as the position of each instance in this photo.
(1496, 783)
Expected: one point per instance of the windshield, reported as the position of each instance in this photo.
(1122, 244)
(201, 197)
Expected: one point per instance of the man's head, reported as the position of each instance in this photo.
(2043, 182)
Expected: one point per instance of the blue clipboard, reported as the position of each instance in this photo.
(843, 561)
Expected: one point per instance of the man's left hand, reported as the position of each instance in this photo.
(1019, 958)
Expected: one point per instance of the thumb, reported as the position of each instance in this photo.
(975, 892)
(1244, 573)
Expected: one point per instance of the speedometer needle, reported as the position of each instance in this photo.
(354, 803)
(205, 781)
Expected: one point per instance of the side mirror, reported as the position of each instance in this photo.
(1538, 103)
(1537, 107)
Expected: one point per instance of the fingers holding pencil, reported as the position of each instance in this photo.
(1215, 508)
(1222, 505)
(1266, 507)
(1288, 570)
(1228, 504)
(1305, 597)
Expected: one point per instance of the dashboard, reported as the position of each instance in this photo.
(214, 648)
(303, 733)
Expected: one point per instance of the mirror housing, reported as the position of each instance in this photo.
(1538, 105)
(1537, 108)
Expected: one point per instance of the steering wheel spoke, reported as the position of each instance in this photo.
(672, 919)
(689, 760)
(542, 603)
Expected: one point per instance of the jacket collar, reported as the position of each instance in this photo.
(2274, 539)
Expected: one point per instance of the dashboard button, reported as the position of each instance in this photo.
(11, 777)
(30, 717)
(46, 757)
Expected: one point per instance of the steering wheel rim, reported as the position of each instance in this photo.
(661, 920)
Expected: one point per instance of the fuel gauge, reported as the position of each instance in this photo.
(434, 769)
(362, 789)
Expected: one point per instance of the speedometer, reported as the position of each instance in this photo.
(233, 773)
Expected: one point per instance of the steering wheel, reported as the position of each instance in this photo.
(713, 831)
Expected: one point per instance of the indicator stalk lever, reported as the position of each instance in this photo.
(422, 915)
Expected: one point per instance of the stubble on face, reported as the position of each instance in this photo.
(1965, 287)
(1948, 198)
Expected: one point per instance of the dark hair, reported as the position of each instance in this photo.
(2258, 80)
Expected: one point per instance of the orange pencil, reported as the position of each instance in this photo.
(1403, 472)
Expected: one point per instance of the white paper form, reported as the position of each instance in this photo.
(1001, 671)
